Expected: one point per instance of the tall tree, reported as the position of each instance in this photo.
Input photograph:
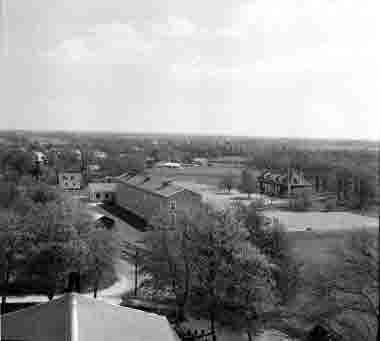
(59, 230)
(247, 182)
(231, 274)
(227, 182)
(168, 258)
(14, 241)
(344, 293)
(103, 250)
(210, 266)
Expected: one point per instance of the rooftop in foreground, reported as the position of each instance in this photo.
(74, 317)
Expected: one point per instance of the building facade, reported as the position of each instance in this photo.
(289, 184)
(40, 158)
(70, 180)
(102, 192)
(148, 196)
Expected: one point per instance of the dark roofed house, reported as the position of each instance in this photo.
(147, 195)
(75, 317)
(287, 184)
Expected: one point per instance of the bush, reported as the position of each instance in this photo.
(330, 205)
(300, 202)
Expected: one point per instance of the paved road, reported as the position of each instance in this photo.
(111, 294)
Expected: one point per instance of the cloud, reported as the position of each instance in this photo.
(114, 43)
(175, 27)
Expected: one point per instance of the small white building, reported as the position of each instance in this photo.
(40, 157)
(70, 180)
(94, 167)
(201, 161)
(100, 154)
(174, 165)
(101, 191)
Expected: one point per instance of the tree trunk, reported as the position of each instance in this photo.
(136, 272)
(249, 334)
(212, 322)
(3, 303)
(5, 293)
(96, 286)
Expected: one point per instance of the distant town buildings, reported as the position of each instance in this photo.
(230, 161)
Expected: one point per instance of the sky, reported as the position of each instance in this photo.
(294, 68)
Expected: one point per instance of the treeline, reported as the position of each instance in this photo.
(351, 173)
(44, 237)
(223, 266)
(231, 269)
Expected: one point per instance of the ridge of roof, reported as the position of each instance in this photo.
(154, 184)
(71, 316)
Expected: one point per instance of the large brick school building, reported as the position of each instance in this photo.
(149, 195)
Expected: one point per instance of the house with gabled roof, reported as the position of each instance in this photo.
(147, 195)
(71, 180)
(283, 184)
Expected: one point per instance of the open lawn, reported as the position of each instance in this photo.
(322, 221)
(313, 248)
(201, 174)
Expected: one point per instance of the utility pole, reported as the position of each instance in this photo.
(136, 272)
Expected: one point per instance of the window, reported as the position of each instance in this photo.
(173, 218)
(172, 205)
(97, 195)
(107, 196)
(72, 177)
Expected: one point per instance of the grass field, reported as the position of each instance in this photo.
(201, 175)
(322, 221)
(313, 248)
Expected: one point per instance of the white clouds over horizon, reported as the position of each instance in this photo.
(298, 63)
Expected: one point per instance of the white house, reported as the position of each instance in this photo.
(175, 165)
(102, 191)
(40, 157)
(70, 180)
(100, 154)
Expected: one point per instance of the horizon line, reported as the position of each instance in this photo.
(189, 134)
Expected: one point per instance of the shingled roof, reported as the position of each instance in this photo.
(282, 179)
(153, 184)
(76, 317)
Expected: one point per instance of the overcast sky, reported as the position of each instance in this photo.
(297, 68)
